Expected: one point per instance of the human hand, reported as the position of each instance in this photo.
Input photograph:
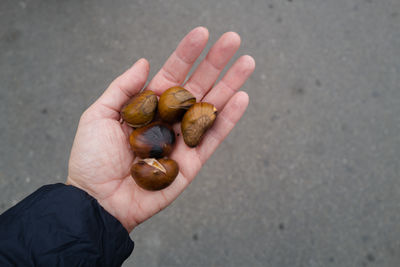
(101, 157)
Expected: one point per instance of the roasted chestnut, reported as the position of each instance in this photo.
(196, 121)
(155, 140)
(152, 174)
(174, 102)
(141, 109)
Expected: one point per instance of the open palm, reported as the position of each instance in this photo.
(101, 157)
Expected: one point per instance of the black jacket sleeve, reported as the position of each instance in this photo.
(61, 225)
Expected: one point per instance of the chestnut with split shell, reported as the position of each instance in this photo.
(196, 121)
(154, 140)
(141, 109)
(173, 103)
(152, 174)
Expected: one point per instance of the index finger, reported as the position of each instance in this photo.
(180, 62)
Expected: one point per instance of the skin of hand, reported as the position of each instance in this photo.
(101, 157)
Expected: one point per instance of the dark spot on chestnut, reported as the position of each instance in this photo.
(155, 140)
(156, 151)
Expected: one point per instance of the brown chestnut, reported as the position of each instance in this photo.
(141, 109)
(196, 121)
(155, 140)
(174, 102)
(152, 174)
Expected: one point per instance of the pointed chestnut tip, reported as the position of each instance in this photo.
(155, 163)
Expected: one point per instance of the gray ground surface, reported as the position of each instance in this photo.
(309, 177)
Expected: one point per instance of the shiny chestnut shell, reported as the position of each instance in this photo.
(196, 121)
(155, 140)
(141, 109)
(173, 103)
(152, 174)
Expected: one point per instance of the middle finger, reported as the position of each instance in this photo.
(209, 69)
(178, 65)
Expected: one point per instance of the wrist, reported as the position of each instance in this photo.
(105, 205)
(126, 223)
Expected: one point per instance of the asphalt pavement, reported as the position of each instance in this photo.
(309, 177)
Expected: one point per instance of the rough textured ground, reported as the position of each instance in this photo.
(309, 177)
